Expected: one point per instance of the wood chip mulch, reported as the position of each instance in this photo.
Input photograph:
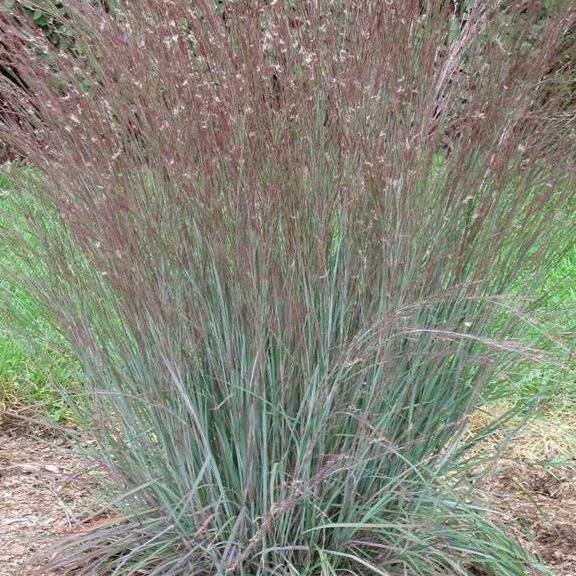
(45, 490)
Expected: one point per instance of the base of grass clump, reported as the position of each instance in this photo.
(446, 542)
(428, 531)
(534, 502)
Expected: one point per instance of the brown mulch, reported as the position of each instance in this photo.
(45, 490)
(538, 505)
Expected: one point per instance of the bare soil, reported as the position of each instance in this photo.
(47, 489)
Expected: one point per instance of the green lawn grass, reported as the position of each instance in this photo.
(542, 397)
(29, 376)
(555, 387)
(33, 368)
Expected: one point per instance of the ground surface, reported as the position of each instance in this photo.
(46, 489)
(539, 507)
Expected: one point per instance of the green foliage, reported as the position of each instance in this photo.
(36, 367)
(45, 15)
(33, 377)
(552, 385)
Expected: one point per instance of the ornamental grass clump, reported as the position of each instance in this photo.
(281, 239)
